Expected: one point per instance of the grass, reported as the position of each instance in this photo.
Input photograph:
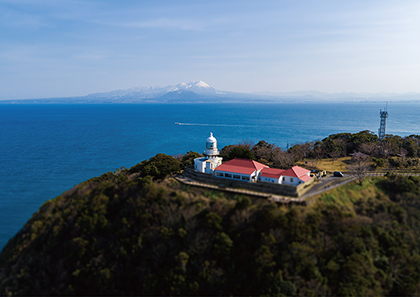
(328, 164)
(346, 195)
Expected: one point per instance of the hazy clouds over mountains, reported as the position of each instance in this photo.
(201, 92)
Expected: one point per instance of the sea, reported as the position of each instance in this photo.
(46, 149)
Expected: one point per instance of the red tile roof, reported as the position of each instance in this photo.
(242, 166)
(296, 171)
(272, 172)
(305, 178)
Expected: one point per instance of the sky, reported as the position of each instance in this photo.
(66, 48)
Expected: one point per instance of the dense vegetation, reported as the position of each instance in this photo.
(127, 233)
(394, 151)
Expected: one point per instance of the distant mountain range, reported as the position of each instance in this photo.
(201, 92)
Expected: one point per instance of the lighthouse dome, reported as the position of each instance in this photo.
(211, 146)
(211, 138)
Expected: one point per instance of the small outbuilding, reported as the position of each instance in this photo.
(293, 176)
(271, 175)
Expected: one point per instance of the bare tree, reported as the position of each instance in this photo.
(283, 159)
(387, 148)
(335, 155)
(262, 153)
(403, 154)
(317, 154)
(360, 166)
(247, 143)
(368, 148)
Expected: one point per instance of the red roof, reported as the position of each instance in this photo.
(305, 178)
(242, 166)
(296, 171)
(272, 172)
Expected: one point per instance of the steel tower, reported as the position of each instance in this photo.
(381, 130)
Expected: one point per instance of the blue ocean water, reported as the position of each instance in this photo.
(47, 149)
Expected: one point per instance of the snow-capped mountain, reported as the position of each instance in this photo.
(198, 91)
(196, 86)
(186, 91)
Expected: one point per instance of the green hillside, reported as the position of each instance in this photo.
(126, 234)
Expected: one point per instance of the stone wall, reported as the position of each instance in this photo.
(293, 191)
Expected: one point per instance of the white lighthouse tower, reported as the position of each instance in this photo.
(211, 158)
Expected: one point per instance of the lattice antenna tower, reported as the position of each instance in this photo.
(384, 115)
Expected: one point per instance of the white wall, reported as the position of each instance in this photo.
(241, 176)
(270, 180)
(291, 181)
(207, 165)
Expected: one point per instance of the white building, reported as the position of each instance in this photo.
(293, 176)
(271, 175)
(211, 158)
(240, 169)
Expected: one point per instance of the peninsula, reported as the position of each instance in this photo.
(139, 231)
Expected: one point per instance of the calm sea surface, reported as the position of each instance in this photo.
(47, 149)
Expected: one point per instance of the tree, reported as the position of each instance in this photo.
(317, 153)
(357, 139)
(331, 148)
(283, 159)
(188, 159)
(263, 151)
(300, 151)
(237, 151)
(368, 148)
(412, 148)
(387, 148)
(360, 166)
(158, 166)
(403, 154)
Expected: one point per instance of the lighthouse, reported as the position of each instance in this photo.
(211, 158)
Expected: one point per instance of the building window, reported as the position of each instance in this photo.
(219, 174)
(210, 145)
(228, 175)
(284, 179)
(236, 176)
(291, 179)
(245, 177)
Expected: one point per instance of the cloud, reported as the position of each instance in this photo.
(13, 18)
(164, 23)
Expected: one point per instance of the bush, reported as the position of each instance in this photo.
(379, 162)
(158, 166)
